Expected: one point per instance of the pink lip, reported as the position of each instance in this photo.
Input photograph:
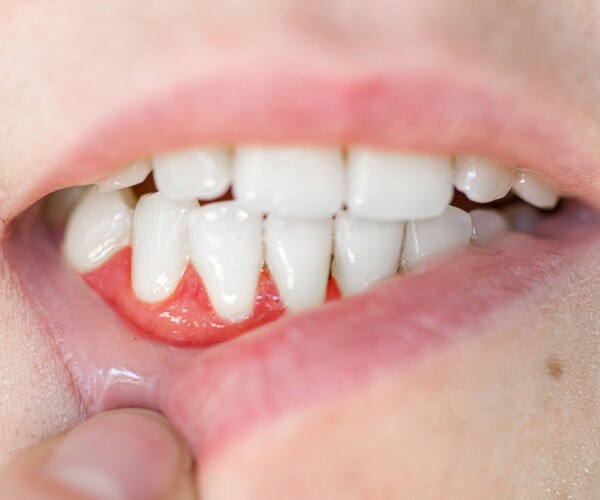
(218, 395)
(433, 109)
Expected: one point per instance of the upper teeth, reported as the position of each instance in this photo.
(396, 213)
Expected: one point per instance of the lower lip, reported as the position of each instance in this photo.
(217, 395)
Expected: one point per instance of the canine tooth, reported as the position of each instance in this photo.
(488, 226)
(522, 217)
(392, 186)
(298, 253)
(159, 246)
(535, 189)
(99, 226)
(482, 180)
(226, 249)
(294, 182)
(134, 174)
(201, 173)
(365, 251)
(426, 238)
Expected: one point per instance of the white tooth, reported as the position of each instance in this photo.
(132, 175)
(299, 257)
(59, 204)
(482, 180)
(535, 189)
(392, 186)
(294, 182)
(365, 251)
(201, 173)
(159, 246)
(523, 218)
(226, 248)
(426, 238)
(489, 225)
(99, 227)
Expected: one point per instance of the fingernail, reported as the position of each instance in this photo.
(118, 455)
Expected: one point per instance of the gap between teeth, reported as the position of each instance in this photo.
(302, 212)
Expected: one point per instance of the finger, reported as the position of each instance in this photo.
(124, 454)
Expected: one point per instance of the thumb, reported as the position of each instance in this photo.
(123, 454)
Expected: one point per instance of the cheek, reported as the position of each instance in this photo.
(36, 396)
(505, 414)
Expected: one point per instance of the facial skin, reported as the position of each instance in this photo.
(514, 411)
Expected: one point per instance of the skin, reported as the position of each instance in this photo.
(512, 412)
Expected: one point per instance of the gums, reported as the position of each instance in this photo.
(187, 317)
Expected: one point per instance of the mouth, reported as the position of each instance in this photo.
(304, 272)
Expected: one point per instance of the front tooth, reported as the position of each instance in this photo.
(481, 180)
(201, 173)
(294, 182)
(392, 186)
(535, 189)
(226, 249)
(426, 238)
(132, 175)
(159, 247)
(298, 253)
(489, 225)
(99, 226)
(365, 251)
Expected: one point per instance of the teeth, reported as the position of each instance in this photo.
(159, 249)
(202, 173)
(426, 238)
(489, 225)
(534, 189)
(482, 180)
(365, 252)
(294, 182)
(226, 249)
(99, 227)
(132, 175)
(523, 218)
(299, 257)
(390, 186)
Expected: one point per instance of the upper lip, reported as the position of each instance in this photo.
(434, 108)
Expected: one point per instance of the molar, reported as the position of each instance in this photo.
(535, 190)
(489, 225)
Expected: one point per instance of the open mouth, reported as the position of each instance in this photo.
(205, 281)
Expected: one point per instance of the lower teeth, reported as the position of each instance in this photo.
(228, 244)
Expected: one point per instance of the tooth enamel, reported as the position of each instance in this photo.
(298, 253)
(489, 225)
(482, 180)
(391, 186)
(201, 173)
(535, 189)
(226, 249)
(294, 182)
(426, 238)
(159, 246)
(99, 226)
(522, 217)
(132, 175)
(365, 251)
